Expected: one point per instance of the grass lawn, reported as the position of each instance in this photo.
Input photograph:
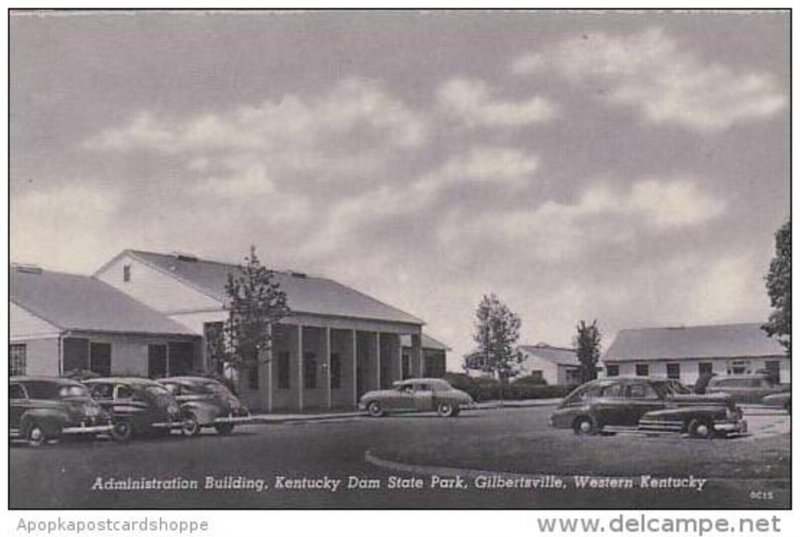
(563, 453)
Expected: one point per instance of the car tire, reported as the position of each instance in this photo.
(224, 429)
(190, 427)
(584, 426)
(788, 407)
(700, 429)
(121, 432)
(375, 409)
(446, 410)
(456, 411)
(35, 435)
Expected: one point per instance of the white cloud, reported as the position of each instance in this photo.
(666, 83)
(471, 101)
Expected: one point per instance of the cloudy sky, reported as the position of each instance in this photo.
(629, 168)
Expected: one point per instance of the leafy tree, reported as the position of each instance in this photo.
(779, 288)
(496, 335)
(587, 347)
(255, 301)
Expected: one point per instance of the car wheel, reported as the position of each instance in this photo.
(584, 425)
(122, 431)
(456, 411)
(190, 427)
(35, 435)
(224, 428)
(700, 429)
(375, 410)
(445, 410)
(788, 407)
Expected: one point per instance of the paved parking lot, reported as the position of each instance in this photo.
(508, 440)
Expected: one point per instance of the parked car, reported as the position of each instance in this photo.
(745, 389)
(209, 402)
(420, 395)
(780, 400)
(646, 404)
(143, 404)
(44, 409)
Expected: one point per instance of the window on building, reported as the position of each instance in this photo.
(739, 367)
(100, 358)
(336, 371)
(156, 361)
(252, 377)
(642, 370)
(283, 370)
(406, 365)
(126, 273)
(705, 368)
(773, 368)
(612, 370)
(309, 370)
(181, 358)
(17, 359)
(76, 354)
(674, 371)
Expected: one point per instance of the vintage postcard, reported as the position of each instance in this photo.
(399, 259)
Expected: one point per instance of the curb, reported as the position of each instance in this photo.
(266, 419)
(471, 473)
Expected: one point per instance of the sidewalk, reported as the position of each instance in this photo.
(522, 403)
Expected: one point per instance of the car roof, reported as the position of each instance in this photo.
(54, 380)
(122, 380)
(188, 379)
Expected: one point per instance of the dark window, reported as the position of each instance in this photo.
(674, 371)
(100, 358)
(17, 359)
(773, 368)
(705, 368)
(434, 365)
(126, 273)
(124, 392)
(642, 391)
(252, 377)
(406, 365)
(612, 370)
(309, 370)
(642, 370)
(15, 391)
(613, 390)
(214, 337)
(101, 391)
(283, 370)
(181, 358)
(156, 361)
(76, 354)
(336, 371)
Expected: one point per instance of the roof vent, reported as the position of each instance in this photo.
(183, 256)
(298, 274)
(26, 268)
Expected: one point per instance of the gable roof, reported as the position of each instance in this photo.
(556, 355)
(305, 294)
(74, 302)
(714, 341)
(427, 342)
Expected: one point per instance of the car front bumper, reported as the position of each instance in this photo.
(87, 429)
(233, 419)
(731, 427)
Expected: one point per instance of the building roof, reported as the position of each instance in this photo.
(556, 355)
(715, 341)
(305, 294)
(74, 302)
(427, 342)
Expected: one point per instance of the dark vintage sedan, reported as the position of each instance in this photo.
(647, 404)
(144, 405)
(417, 395)
(44, 409)
(208, 402)
(745, 389)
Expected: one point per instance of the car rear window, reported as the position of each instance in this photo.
(52, 390)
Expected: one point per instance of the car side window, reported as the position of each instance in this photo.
(408, 388)
(422, 388)
(101, 391)
(641, 391)
(123, 392)
(614, 391)
(15, 391)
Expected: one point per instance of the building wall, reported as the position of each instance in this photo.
(25, 325)
(533, 363)
(689, 368)
(41, 356)
(154, 288)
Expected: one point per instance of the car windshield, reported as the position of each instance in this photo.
(51, 390)
(73, 391)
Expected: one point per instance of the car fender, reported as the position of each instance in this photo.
(205, 412)
(50, 419)
(687, 413)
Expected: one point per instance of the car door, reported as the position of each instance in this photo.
(609, 405)
(402, 397)
(132, 408)
(423, 397)
(641, 399)
(18, 404)
(103, 393)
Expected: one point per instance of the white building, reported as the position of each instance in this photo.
(554, 365)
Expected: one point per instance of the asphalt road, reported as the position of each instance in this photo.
(64, 475)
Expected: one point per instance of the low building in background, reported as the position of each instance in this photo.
(434, 355)
(687, 352)
(553, 365)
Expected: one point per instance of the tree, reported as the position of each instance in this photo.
(587, 347)
(496, 334)
(779, 288)
(255, 302)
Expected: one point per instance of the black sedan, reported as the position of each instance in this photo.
(208, 403)
(647, 404)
